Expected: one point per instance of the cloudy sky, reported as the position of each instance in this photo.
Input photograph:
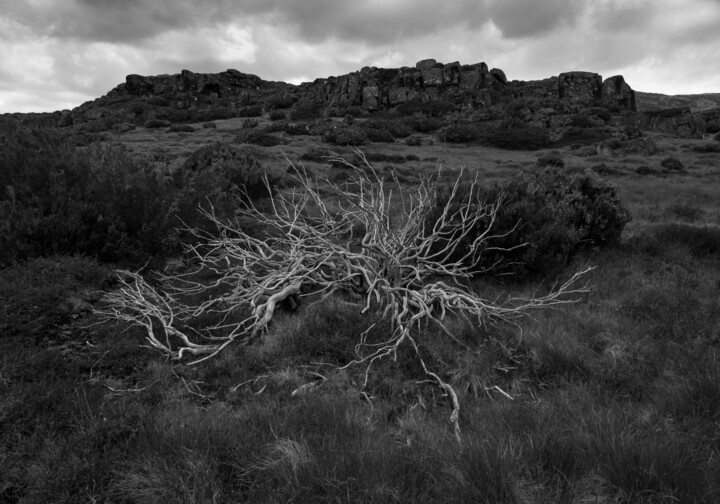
(56, 54)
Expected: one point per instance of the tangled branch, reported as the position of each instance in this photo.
(380, 249)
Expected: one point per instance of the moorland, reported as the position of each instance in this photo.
(613, 396)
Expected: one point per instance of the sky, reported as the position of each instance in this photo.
(57, 54)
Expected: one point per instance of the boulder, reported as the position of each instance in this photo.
(426, 63)
(582, 87)
(499, 75)
(616, 94)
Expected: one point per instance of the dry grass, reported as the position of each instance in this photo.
(616, 399)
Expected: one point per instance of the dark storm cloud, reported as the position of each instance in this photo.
(374, 22)
(528, 18)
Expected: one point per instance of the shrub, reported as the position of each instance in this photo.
(459, 133)
(250, 123)
(307, 110)
(581, 121)
(546, 218)
(712, 127)
(251, 111)
(672, 164)
(551, 160)
(530, 138)
(354, 112)
(414, 141)
(345, 135)
(717, 137)
(157, 123)
(284, 101)
(209, 125)
(97, 201)
(385, 130)
(277, 115)
(421, 123)
(600, 112)
(182, 128)
(219, 174)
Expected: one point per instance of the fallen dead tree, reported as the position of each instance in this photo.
(379, 250)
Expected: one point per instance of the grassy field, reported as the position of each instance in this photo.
(613, 399)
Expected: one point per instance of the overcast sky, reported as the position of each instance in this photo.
(56, 54)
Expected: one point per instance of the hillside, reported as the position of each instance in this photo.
(655, 101)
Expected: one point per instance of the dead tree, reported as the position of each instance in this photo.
(381, 250)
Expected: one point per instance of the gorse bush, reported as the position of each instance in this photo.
(545, 219)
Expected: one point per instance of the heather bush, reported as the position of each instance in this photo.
(384, 130)
(551, 160)
(581, 121)
(414, 141)
(546, 218)
(181, 128)
(672, 164)
(459, 133)
(250, 123)
(423, 124)
(529, 138)
(345, 135)
(277, 115)
(251, 111)
(157, 123)
(307, 110)
(284, 101)
(219, 174)
(98, 201)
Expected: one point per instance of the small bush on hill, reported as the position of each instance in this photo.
(182, 128)
(581, 121)
(219, 174)
(459, 133)
(547, 217)
(551, 160)
(530, 138)
(251, 111)
(157, 123)
(307, 110)
(250, 123)
(354, 112)
(282, 101)
(277, 115)
(345, 135)
(672, 164)
(423, 124)
(414, 141)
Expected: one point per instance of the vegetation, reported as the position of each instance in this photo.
(527, 138)
(615, 398)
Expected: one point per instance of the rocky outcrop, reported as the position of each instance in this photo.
(228, 83)
(468, 86)
(616, 94)
(680, 122)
